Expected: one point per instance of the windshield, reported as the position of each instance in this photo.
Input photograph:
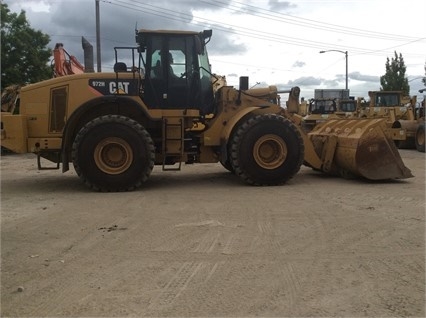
(322, 106)
(205, 83)
(348, 106)
(388, 100)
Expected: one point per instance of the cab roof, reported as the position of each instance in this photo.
(167, 32)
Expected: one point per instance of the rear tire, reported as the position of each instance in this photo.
(113, 153)
(227, 165)
(266, 150)
(420, 137)
(409, 143)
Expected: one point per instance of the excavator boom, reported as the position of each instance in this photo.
(64, 63)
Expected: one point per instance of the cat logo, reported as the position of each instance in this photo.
(115, 87)
(119, 87)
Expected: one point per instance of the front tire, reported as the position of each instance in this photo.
(420, 137)
(266, 150)
(113, 153)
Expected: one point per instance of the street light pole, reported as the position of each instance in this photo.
(346, 58)
(98, 38)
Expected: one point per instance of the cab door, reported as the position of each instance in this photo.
(169, 80)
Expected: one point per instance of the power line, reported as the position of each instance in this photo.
(174, 15)
(308, 23)
(233, 29)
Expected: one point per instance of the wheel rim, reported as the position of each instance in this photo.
(113, 155)
(270, 151)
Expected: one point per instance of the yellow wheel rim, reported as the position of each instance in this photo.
(113, 155)
(270, 151)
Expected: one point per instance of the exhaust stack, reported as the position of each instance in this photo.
(88, 56)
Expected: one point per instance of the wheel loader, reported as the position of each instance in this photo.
(403, 116)
(321, 109)
(163, 106)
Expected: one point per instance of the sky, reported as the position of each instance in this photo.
(274, 42)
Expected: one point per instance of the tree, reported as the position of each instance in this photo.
(424, 78)
(394, 78)
(24, 52)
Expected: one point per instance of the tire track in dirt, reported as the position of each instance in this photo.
(291, 283)
(231, 245)
(175, 286)
(261, 235)
(189, 285)
(400, 278)
(213, 270)
(190, 278)
(54, 299)
(208, 243)
(318, 246)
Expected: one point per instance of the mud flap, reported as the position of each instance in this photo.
(363, 149)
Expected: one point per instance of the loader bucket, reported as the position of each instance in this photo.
(358, 147)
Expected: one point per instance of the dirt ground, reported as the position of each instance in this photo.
(200, 243)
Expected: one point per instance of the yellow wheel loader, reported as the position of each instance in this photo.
(405, 118)
(321, 109)
(162, 105)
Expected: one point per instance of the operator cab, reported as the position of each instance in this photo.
(387, 99)
(322, 106)
(348, 106)
(177, 70)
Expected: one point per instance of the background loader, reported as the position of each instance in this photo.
(162, 105)
(327, 104)
(403, 113)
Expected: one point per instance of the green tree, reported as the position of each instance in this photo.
(394, 78)
(24, 52)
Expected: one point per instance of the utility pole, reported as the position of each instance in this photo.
(98, 39)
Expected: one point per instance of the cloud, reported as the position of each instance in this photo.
(310, 82)
(194, 4)
(299, 64)
(238, 27)
(364, 78)
(333, 83)
(224, 44)
(118, 22)
(277, 5)
(305, 81)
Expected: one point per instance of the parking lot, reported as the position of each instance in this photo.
(199, 242)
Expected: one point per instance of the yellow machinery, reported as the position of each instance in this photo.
(405, 118)
(321, 109)
(347, 107)
(10, 99)
(361, 145)
(164, 106)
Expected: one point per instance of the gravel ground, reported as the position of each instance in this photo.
(200, 243)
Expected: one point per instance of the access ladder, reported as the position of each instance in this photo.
(173, 141)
